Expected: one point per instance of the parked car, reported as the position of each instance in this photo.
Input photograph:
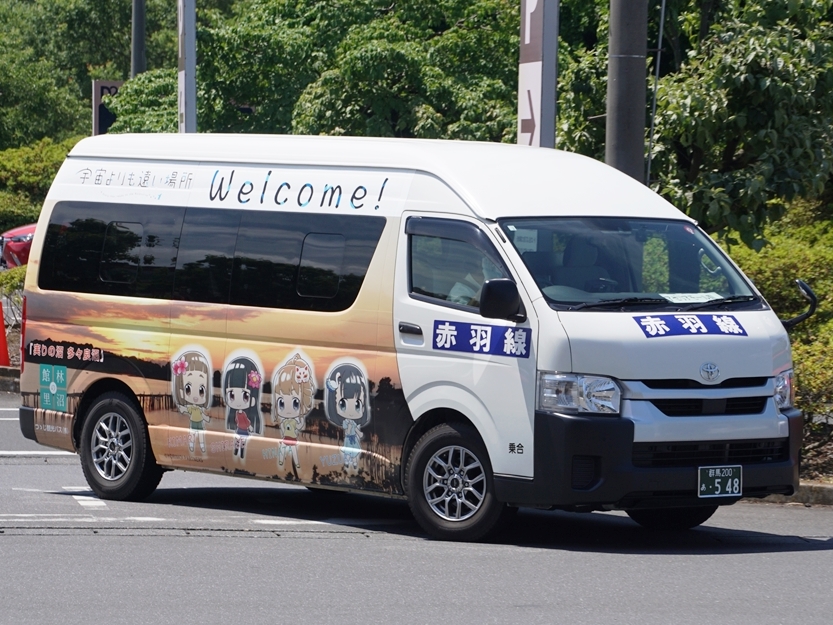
(15, 244)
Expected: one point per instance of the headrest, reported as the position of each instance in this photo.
(580, 253)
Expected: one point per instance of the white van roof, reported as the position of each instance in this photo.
(496, 180)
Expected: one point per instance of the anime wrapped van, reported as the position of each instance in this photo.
(475, 328)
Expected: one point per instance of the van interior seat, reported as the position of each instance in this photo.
(542, 265)
(579, 264)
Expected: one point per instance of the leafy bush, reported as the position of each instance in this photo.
(147, 103)
(11, 287)
(801, 246)
(30, 170)
(16, 210)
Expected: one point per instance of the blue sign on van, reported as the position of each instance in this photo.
(689, 324)
(479, 338)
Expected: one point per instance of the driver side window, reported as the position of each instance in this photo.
(450, 261)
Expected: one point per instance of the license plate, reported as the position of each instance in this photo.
(720, 481)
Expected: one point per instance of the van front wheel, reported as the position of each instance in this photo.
(672, 518)
(450, 488)
(115, 452)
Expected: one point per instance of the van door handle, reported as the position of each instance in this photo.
(409, 328)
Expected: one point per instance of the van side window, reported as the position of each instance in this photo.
(450, 260)
(322, 265)
(120, 254)
(206, 253)
(301, 261)
(111, 249)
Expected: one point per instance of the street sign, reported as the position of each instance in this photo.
(103, 118)
(537, 73)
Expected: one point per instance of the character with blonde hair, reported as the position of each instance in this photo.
(293, 388)
(192, 392)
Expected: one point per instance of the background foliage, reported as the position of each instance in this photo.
(742, 140)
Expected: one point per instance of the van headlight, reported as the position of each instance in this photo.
(570, 392)
(785, 389)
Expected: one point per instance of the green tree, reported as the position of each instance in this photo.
(365, 67)
(744, 107)
(424, 69)
(745, 125)
(36, 99)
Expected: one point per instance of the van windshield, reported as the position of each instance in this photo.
(613, 263)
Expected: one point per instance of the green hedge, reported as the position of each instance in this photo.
(16, 210)
(29, 170)
(801, 246)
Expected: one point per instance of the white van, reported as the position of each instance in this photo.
(474, 327)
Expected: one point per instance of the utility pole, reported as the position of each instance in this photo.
(626, 87)
(187, 82)
(138, 58)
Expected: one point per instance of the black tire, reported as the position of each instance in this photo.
(672, 518)
(115, 451)
(469, 511)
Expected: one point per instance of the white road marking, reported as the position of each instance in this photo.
(9, 418)
(89, 502)
(8, 409)
(287, 522)
(364, 521)
(44, 516)
(33, 454)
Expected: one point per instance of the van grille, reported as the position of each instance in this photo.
(694, 454)
(710, 407)
(683, 384)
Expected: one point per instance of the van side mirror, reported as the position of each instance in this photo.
(808, 294)
(500, 299)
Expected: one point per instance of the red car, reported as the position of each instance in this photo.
(15, 245)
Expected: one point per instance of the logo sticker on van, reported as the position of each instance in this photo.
(476, 338)
(687, 324)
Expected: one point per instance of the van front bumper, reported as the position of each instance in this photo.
(592, 463)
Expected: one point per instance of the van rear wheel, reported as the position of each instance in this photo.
(450, 488)
(115, 452)
(672, 518)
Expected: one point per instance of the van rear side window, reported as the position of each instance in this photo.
(295, 260)
(111, 249)
(120, 256)
(247, 258)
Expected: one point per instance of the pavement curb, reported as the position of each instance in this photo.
(10, 379)
(813, 493)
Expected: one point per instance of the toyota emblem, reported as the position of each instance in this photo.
(709, 372)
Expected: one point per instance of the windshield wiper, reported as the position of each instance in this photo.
(732, 299)
(625, 301)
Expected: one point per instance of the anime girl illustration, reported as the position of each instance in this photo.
(293, 389)
(347, 405)
(241, 391)
(191, 385)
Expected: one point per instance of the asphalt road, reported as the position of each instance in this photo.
(214, 549)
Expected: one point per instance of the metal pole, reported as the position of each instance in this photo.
(187, 92)
(537, 73)
(626, 87)
(138, 59)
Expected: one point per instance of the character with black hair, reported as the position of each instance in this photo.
(241, 390)
(347, 405)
